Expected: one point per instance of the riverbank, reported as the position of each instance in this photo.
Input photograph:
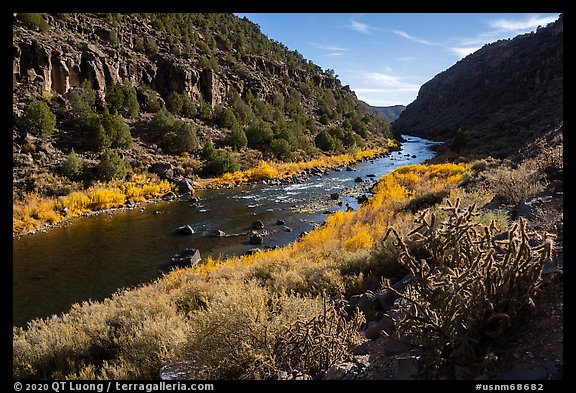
(38, 214)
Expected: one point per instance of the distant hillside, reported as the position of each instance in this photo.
(500, 97)
(390, 113)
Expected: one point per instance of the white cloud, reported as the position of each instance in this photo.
(528, 23)
(390, 81)
(359, 27)
(464, 51)
(328, 47)
(412, 38)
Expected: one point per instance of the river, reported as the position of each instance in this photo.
(93, 257)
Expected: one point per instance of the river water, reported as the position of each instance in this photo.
(93, 257)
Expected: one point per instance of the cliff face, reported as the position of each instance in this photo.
(82, 47)
(504, 94)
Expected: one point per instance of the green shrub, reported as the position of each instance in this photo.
(122, 98)
(33, 21)
(237, 138)
(209, 152)
(98, 138)
(221, 163)
(189, 110)
(131, 105)
(281, 149)
(151, 101)
(82, 107)
(204, 110)
(117, 130)
(181, 138)
(112, 166)
(243, 112)
(224, 117)
(114, 98)
(162, 122)
(259, 135)
(176, 136)
(38, 119)
(325, 141)
(151, 46)
(210, 63)
(174, 102)
(73, 167)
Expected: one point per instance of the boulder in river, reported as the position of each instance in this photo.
(256, 238)
(218, 233)
(185, 185)
(185, 230)
(358, 180)
(258, 224)
(186, 258)
(362, 199)
(280, 222)
(334, 196)
(350, 169)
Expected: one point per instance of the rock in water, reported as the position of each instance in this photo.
(185, 230)
(362, 199)
(186, 258)
(218, 233)
(258, 224)
(256, 238)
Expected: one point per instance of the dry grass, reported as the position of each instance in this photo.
(515, 184)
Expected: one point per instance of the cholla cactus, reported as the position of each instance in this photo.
(313, 345)
(467, 286)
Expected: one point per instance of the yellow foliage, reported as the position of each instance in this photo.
(361, 239)
(281, 170)
(34, 211)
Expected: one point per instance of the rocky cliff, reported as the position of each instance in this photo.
(506, 93)
(83, 47)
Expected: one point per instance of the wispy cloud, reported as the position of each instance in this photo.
(360, 27)
(528, 23)
(328, 47)
(381, 80)
(497, 29)
(412, 38)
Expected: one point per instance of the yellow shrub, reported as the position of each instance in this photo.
(76, 202)
(361, 239)
(104, 198)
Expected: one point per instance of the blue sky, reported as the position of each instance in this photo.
(385, 58)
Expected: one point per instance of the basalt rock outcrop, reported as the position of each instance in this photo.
(83, 47)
